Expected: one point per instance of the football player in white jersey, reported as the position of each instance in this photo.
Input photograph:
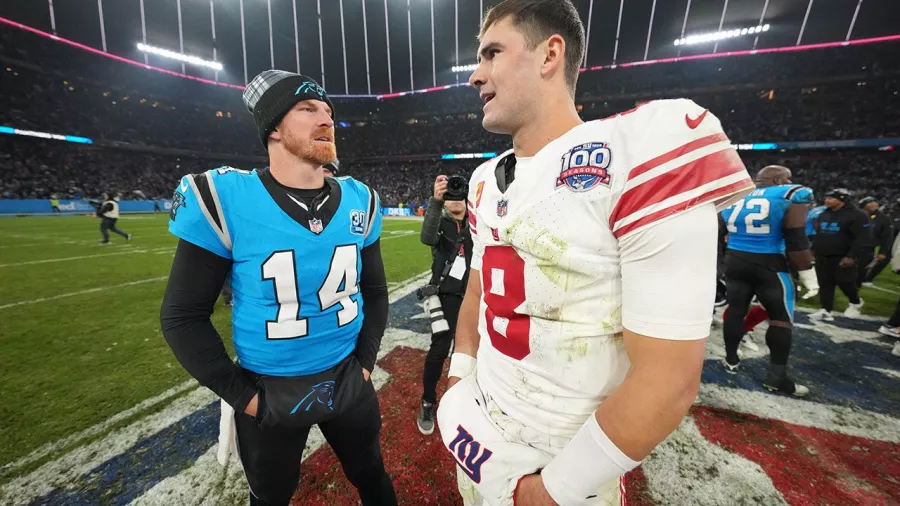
(581, 337)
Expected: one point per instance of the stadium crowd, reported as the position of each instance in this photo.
(831, 94)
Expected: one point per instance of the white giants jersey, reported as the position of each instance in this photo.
(548, 249)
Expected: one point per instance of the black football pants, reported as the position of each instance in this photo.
(271, 456)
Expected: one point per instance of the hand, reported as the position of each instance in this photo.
(880, 257)
(847, 262)
(440, 187)
(531, 492)
(366, 374)
(252, 406)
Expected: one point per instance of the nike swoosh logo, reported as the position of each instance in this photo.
(694, 123)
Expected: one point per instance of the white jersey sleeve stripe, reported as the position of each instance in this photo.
(202, 205)
(215, 196)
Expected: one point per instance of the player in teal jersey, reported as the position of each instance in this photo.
(303, 256)
(765, 226)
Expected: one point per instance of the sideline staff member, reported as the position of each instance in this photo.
(882, 237)
(109, 211)
(446, 230)
(841, 235)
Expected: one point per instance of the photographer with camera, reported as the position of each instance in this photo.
(446, 230)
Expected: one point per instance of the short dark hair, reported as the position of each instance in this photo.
(539, 20)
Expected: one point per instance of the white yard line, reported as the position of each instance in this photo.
(100, 427)
(886, 290)
(82, 257)
(67, 469)
(851, 421)
(82, 292)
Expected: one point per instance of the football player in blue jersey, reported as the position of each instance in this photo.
(763, 227)
(812, 216)
(302, 251)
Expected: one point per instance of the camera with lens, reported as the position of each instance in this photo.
(457, 188)
(429, 294)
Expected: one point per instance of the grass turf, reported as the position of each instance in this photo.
(80, 338)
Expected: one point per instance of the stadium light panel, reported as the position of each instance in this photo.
(464, 68)
(193, 60)
(701, 38)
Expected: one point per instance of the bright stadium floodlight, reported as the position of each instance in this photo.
(701, 38)
(193, 60)
(464, 68)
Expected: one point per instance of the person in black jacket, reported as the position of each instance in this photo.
(882, 238)
(842, 234)
(446, 230)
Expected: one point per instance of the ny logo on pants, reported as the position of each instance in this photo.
(469, 454)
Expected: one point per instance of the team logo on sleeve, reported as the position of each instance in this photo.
(585, 166)
(357, 222)
(177, 203)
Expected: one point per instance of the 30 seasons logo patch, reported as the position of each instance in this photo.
(585, 166)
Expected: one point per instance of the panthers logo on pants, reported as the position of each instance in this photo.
(321, 393)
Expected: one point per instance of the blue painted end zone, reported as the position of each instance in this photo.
(122, 479)
(834, 372)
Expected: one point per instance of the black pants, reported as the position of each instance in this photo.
(876, 269)
(894, 321)
(110, 224)
(831, 274)
(440, 347)
(865, 258)
(775, 291)
(271, 456)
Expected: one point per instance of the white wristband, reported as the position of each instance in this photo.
(589, 461)
(461, 365)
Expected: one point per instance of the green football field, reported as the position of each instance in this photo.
(79, 322)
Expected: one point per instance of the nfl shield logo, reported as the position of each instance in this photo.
(315, 226)
(502, 206)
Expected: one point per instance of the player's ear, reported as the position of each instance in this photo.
(554, 55)
(275, 135)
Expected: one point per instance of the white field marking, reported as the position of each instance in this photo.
(678, 472)
(67, 259)
(406, 233)
(851, 421)
(66, 470)
(887, 372)
(82, 292)
(880, 289)
(82, 257)
(100, 427)
(207, 483)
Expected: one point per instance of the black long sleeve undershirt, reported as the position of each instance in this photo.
(194, 285)
(373, 286)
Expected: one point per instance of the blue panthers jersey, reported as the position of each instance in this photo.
(811, 216)
(297, 309)
(755, 223)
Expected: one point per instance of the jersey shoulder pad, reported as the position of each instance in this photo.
(368, 196)
(798, 194)
(196, 215)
